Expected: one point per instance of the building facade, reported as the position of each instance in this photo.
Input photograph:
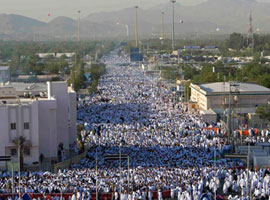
(242, 97)
(45, 116)
(230, 100)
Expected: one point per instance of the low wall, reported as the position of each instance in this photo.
(261, 162)
(106, 196)
(66, 164)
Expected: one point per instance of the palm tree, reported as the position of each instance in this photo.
(80, 128)
(82, 138)
(21, 143)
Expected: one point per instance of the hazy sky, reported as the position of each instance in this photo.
(39, 9)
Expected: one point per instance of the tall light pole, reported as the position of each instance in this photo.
(136, 7)
(127, 29)
(173, 2)
(120, 167)
(79, 24)
(162, 25)
(19, 157)
(97, 143)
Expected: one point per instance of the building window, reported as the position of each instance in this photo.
(13, 126)
(26, 125)
(13, 152)
(27, 151)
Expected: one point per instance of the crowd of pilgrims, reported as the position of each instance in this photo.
(168, 148)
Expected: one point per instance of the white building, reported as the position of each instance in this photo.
(219, 98)
(45, 114)
(55, 55)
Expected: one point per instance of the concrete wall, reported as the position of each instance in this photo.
(47, 128)
(209, 118)
(59, 91)
(3, 132)
(35, 132)
(72, 117)
(256, 121)
(245, 102)
(261, 162)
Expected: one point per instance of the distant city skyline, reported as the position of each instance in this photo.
(49, 9)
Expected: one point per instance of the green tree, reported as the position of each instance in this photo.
(236, 41)
(14, 64)
(77, 78)
(82, 139)
(265, 80)
(190, 72)
(264, 112)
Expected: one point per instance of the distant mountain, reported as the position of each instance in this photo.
(60, 27)
(227, 15)
(17, 26)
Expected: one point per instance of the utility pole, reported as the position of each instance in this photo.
(79, 27)
(136, 7)
(173, 36)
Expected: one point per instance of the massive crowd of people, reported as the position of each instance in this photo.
(156, 143)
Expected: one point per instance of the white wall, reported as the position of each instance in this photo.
(73, 116)
(60, 91)
(47, 127)
(4, 137)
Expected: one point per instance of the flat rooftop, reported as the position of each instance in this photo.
(35, 87)
(4, 67)
(225, 87)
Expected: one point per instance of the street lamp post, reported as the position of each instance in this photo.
(97, 142)
(120, 168)
(79, 26)
(127, 30)
(19, 155)
(162, 26)
(215, 161)
(136, 7)
(12, 178)
(248, 166)
(173, 36)
(128, 176)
